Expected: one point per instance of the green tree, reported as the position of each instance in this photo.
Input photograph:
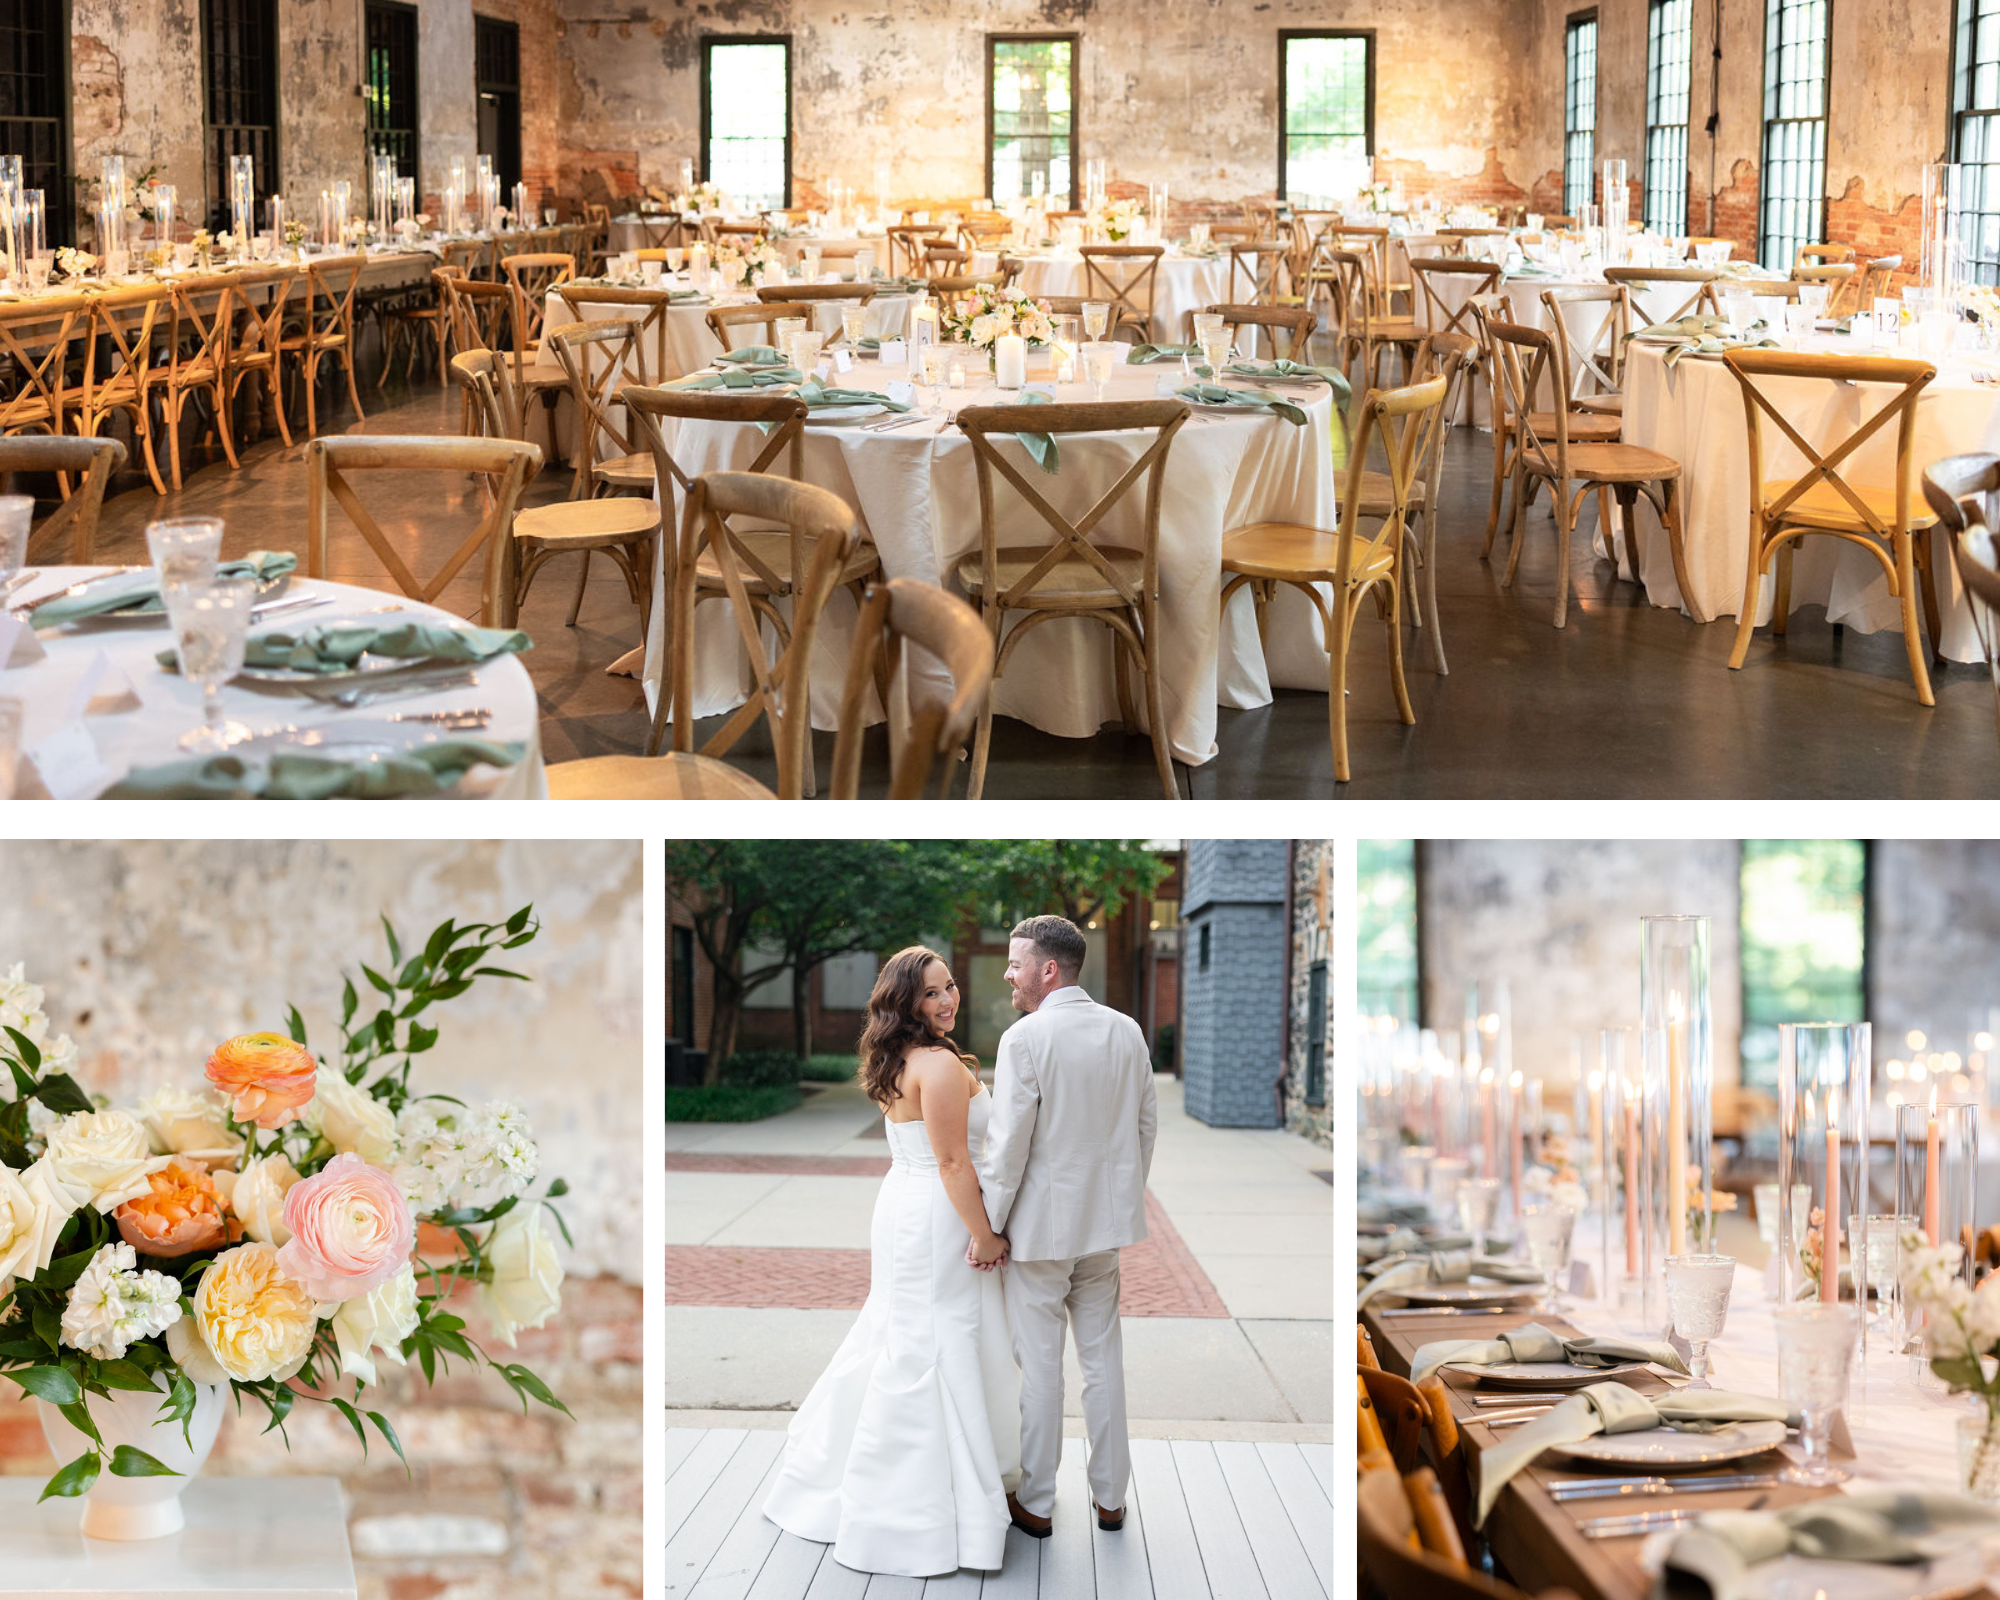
(1080, 878)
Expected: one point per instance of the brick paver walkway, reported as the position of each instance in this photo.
(1158, 1277)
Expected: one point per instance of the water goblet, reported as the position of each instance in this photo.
(675, 256)
(809, 259)
(184, 550)
(1207, 325)
(1476, 1199)
(854, 325)
(1096, 318)
(1413, 1165)
(1798, 320)
(1698, 1303)
(1548, 1230)
(1442, 1177)
(211, 620)
(1101, 360)
(1215, 353)
(1815, 1351)
(784, 328)
(936, 367)
(1813, 296)
(548, 216)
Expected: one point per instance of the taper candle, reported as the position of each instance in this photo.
(1829, 1247)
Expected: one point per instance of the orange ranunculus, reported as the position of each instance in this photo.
(270, 1076)
(183, 1213)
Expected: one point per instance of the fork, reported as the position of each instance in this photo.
(362, 694)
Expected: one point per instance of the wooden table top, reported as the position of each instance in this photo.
(1534, 1536)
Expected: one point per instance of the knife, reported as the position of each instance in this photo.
(1620, 1487)
(1632, 1527)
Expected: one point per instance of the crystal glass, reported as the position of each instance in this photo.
(676, 254)
(184, 550)
(1548, 1230)
(1096, 318)
(809, 259)
(17, 511)
(1814, 296)
(803, 350)
(39, 267)
(1101, 360)
(1477, 1199)
(1442, 1177)
(211, 621)
(936, 365)
(13, 718)
(1207, 325)
(785, 327)
(1766, 1197)
(1798, 320)
(1413, 1163)
(548, 216)
(1815, 1351)
(854, 325)
(1740, 310)
(1215, 353)
(1698, 1303)
(1884, 1262)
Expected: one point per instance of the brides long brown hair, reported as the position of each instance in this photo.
(894, 1027)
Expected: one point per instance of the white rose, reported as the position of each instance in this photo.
(381, 1320)
(527, 1279)
(105, 1154)
(196, 1125)
(1982, 1317)
(192, 1355)
(352, 1120)
(34, 1205)
(257, 1196)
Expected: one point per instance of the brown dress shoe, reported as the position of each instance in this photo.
(1109, 1521)
(1033, 1526)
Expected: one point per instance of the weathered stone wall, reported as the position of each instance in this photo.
(1177, 91)
(1233, 1023)
(1934, 940)
(1315, 926)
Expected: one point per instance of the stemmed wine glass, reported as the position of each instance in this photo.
(1815, 1350)
(1547, 1230)
(184, 550)
(1102, 360)
(211, 621)
(1096, 318)
(17, 512)
(1698, 1302)
(1476, 1199)
(936, 362)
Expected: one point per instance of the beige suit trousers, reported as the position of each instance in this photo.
(1040, 1294)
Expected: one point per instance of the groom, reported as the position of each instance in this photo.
(1064, 1178)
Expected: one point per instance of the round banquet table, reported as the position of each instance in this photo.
(169, 705)
(1182, 284)
(1693, 411)
(917, 493)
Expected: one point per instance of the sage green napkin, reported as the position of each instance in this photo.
(1695, 325)
(1336, 381)
(1534, 1342)
(1441, 1266)
(1144, 354)
(868, 343)
(1215, 394)
(768, 378)
(1711, 1560)
(1713, 347)
(750, 355)
(884, 284)
(1614, 1408)
(336, 646)
(424, 770)
(1041, 447)
(142, 592)
(1533, 269)
(816, 394)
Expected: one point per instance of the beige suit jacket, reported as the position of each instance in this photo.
(1071, 1140)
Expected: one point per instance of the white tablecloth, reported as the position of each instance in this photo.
(1182, 284)
(917, 492)
(170, 705)
(1693, 412)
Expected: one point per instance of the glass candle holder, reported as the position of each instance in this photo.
(1698, 1306)
(1823, 1098)
(1765, 1196)
(1442, 1177)
(1678, 1038)
(1413, 1167)
(1547, 1231)
(1615, 1138)
(1477, 1198)
(1816, 1344)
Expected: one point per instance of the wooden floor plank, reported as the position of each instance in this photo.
(1225, 1547)
(679, 1442)
(690, 1481)
(963, 1584)
(1172, 1552)
(1280, 1552)
(1319, 1458)
(742, 1554)
(1121, 1558)
(1311, 1512)
(702, 1533)
(789, 1570)
(883, 1586)
(1019, 1577)
(1067, 1569)
(835, 1582)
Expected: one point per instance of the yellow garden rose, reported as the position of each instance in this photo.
(250, 1320)
(268, 1075)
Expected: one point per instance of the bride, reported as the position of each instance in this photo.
(902, 1456)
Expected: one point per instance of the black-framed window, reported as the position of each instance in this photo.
(496, 73)
(392, 85)
(746, 118)
(1669, 73)
(34, 104)
(1031, 116)
(1975, 134)
(239, 41)
(1389, 944)
(1201, 949)
(1326, 114)
(1804, 920)
(1316, 1034)
(1579, 110)
(682, 1024)
(1794, 180)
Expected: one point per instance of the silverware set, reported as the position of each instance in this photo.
(1620, 1488)
(396, 686)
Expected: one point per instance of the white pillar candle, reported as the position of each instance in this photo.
(1010, 361)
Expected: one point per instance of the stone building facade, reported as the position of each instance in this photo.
(1233, 982)
(1309, 1055)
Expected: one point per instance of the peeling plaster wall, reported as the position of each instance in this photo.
(1181, 91)
(136, 89)
(152, 953)
(1934, 941)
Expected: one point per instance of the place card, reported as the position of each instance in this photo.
(18, 645)
(842, 361)
(64, 766)
(901, 391)
(894, 353)
(104, 688)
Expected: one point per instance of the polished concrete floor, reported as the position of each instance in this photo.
(1630, 701)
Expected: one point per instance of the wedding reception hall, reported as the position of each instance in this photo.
(1678, 1218)
(1223, 400)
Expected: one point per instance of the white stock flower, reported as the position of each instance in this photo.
(527, 1279)
(105, 1154)
(1982, 1315)
(257, 1196)
(499, 1154)
(21, 1010)
(34, 1205)
(429, 1161)
(352, 1120)
(379, 1320)
(114, 1304)
(195, 1124)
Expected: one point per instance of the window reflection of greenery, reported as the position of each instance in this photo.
(1326, 113)
(1803, 936)
(1387, 927)
(1031, 117)
(747, 107)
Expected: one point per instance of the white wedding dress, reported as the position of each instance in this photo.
(902, 1456)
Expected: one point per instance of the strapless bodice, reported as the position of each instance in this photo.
(910, 1143)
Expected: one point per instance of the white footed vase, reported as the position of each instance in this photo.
(137, 1508)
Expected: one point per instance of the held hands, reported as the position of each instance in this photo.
(986, 1258)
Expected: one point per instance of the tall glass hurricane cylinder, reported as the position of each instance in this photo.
(1679, 1042)
(1823, 1087)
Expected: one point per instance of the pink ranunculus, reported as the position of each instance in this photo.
(351, 1229)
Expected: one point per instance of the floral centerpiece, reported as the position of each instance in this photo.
(1378, 197)
(702, 197)
(1554, 1177)
(986, 314)
(742, 265)
(1117, 220)
(1961, 1333)
(295, 236)
(203, 245)
(259, 1234)
(74, 264)
(407, 228)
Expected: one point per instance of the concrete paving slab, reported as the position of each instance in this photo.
(807, 1212)
(732, 1358)
(1287, 1234)
(1188, 1367)
(1287, 1286)
(700, 1203)
(827, 1120)
(1299, 1355)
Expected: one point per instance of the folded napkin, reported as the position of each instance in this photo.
(1533, 269)
(1696, 325)
(884, 284)
(1142, 354)
(1713, 347)
(1215, 394)
(1041, 447)
(868, 343)
(1379, 1207)
(816, 394)
(1337, 381)
(1535, 1343)
(750, 355)
(142, 592)
(423, 770)
(1441, 1266)
(336, 646)
(1711, 1559)
(768, 378)
(1614, 1408)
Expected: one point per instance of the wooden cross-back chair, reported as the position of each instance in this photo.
(530, 277)
(1257, 265)
(1336, 571)
(943, 260)
(662, 232)
(197, 363)
(1819, 255)
(906, 245)
(902, 619)
(40, 398)
(966, 284)
(1117, 586)
(1227, 233)
(1455, 240)
(118, 354)
(1399, 1544)
(255, 346)
(723, 321)
(597, 357)
(478, 311)
(1360, 333)
(1129, 296)
(821, 530)
(806, 293)
(1431, 275)
(750, 232)
(325, 331)
(91, 462)
(505, 464)
(1874, 281)
(492, 403)
(1839, 277)
(1373, 243)
(1455, 358)
(421, 323)
(1696, 283)
(1296, 323)
(1964, 493)
(1822, 500)
(646, 308)
(1593, 356)
(1547, 452)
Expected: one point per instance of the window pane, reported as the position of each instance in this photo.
(34, 109)
(1327, 153)
(1387, 928)
(1803, 922)
(1976, 136)
(1579, 112)
(1794, 206)
(1033, 112)
(748, 107)
(1669, 67)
